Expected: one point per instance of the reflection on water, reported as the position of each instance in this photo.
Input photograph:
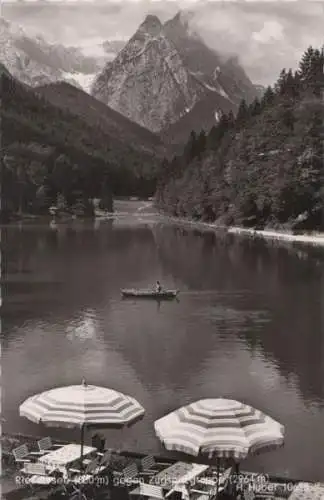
(248, 325)
(83, 327)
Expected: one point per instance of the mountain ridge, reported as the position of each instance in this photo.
(54, 146)
(164, 71)
(77, 101)
(35, 61)
(150, 65)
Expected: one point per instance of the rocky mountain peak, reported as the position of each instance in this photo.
(151, 25)
(180, 23)
(163, 74)
(147, 81)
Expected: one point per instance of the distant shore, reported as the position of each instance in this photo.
(309, 238)
(315, 238)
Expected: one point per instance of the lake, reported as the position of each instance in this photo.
(249, 325)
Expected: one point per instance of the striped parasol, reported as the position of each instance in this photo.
(221, 428)
(81, 406)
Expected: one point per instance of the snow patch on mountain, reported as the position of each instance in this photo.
(83, 81)
(222, 92)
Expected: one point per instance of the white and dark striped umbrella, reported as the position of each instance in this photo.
(82, 406)
(220, 428)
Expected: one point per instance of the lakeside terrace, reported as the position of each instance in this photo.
(161, 478)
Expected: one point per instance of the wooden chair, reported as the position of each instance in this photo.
(45, 445)
(34, 468)
(148, 490)
(79, 482)
(149, 465)
(22, 454)
(127, 476)
(6, 451)
(37, 477)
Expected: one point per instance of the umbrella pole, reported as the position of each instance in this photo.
(217, 469)
(82, 444)
(218, 466)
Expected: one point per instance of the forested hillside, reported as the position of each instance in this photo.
(263, 167)
(51, 154)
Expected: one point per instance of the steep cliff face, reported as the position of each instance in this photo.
(148, 82)
(163, 74)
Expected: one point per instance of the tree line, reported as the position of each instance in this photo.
(52, 157)
(261, 167)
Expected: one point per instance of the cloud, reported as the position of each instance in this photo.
(266, 35)
(271, 31)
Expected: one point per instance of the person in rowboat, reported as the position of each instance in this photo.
(158, 287)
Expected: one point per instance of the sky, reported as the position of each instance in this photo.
(266, 35)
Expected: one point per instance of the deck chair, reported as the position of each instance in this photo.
(45, 445)
(76, 494)
(80, 481)
(148, 490)
(127, 476)
(202, 494)
(41, 480)
(22, 454)
(37, 477)
(34, 468)
(224, 478)
(6, 451)
(149, 465)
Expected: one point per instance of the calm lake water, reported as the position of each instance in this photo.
(248, 325)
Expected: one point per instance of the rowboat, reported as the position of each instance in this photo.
(150, 294)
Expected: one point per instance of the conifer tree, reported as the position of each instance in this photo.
(190, 150)
(280, 85)
(290, 88)
(268, 97)
(255, 107)
(212, 138)
(242, 114)
(201, 143)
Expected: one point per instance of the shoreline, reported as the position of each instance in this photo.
(16, 439)
(311, 238)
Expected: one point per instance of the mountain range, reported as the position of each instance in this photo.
(167, 80)
(35, 61)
